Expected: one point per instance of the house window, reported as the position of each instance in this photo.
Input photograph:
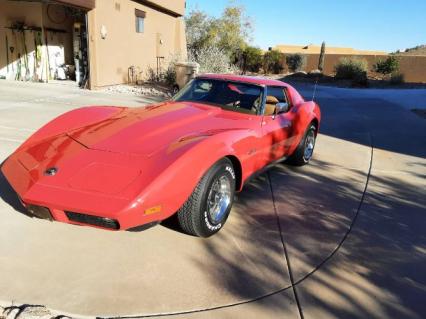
(140, 20)
(140, 24)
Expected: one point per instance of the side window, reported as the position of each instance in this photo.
(275, 95)
(140, 20)
(278, 93)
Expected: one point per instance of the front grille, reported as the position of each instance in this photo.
(93, 220)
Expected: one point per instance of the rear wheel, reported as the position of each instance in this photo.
(304, 151)
(207, 209)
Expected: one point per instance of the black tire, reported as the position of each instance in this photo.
(193, 216)
(298, 158)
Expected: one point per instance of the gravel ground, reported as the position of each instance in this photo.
(145, 90)
(25, 312)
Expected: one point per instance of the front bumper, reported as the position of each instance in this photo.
(83, 219)
(70, 206)
(92, 220)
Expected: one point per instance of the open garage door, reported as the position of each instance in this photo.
(45, 40)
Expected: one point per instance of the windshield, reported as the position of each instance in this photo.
(234, 96)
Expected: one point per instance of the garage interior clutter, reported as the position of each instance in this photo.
(52, 48)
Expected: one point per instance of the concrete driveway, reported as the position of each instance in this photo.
(341, 238)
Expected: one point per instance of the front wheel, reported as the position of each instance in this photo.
(304, 151)
(207, 209)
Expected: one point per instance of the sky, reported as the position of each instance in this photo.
(385, 25)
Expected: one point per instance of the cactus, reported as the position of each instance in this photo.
(321, 57)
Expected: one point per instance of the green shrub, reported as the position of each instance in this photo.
(169, 75)
(151, 75)
(350, 68)
(354, 69)
(252, 59)
(397, 78)
(166, 76)
(388, 66)
(273, 62)
(295, 62)
(360, 79)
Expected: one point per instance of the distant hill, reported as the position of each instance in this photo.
(418, 50)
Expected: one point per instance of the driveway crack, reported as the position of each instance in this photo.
(345, 236)
(293, 286)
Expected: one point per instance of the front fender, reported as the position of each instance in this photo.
(177, 181)
(304, 114)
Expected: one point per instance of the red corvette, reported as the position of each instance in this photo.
(122, 168)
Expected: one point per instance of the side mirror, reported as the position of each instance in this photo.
(281, 108)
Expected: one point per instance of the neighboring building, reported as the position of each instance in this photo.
(411, 64)
(94, 42)
(316, 49)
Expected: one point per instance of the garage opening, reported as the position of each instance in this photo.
(44, 41)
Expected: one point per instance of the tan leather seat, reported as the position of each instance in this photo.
(271, 102)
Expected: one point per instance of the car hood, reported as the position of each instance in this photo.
(145, 131)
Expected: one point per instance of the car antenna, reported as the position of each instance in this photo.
(315, 89)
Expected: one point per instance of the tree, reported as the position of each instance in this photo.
(321, 58)
(233, 29)
(229, 33)
(295, 62)
(199, 31)
(388, 66)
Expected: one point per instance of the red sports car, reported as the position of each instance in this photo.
(123, 168)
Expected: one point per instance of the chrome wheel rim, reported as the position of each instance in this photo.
(219, 199)
(309, 145)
